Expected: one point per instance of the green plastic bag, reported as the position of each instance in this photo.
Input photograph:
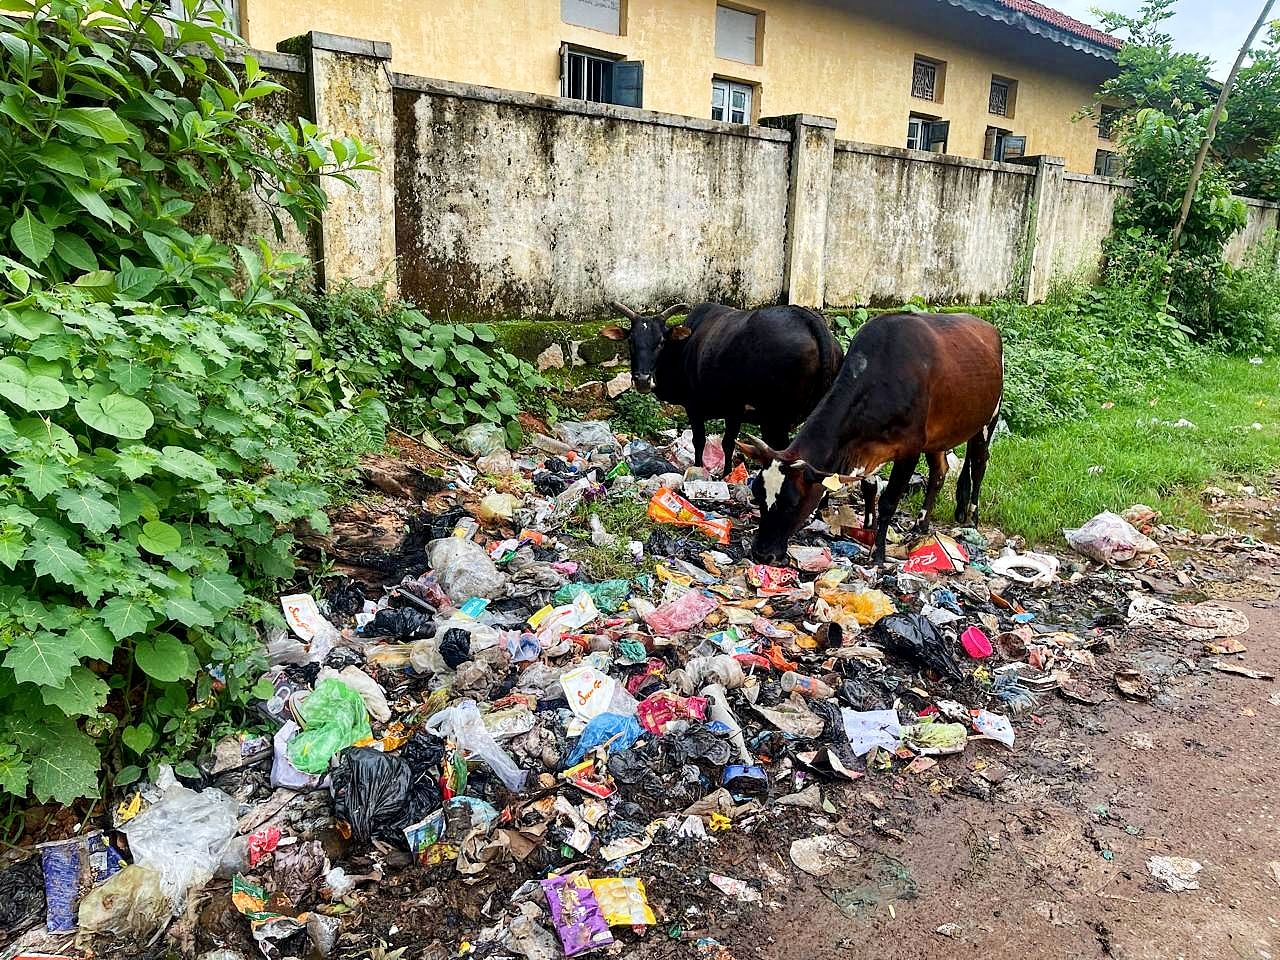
(333, 717)
(608, 595)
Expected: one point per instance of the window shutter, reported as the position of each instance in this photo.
(1014, 147)
(628, 83)
(936, 135)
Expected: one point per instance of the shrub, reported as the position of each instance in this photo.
(1246, 311)
(440, 376)
(640, 415)
(149, 415)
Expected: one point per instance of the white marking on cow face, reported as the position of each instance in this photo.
(772, 477)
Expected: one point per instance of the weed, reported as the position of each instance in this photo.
(640, 415)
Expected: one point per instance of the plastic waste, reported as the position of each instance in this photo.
(400, 623)
(1033, 569)
(70, 869)
(284, 773)
(333, 717)
(576, 914)
(681, 614)
(793, 682)
(1112, 540)
(465, 569)
(482, 439)
(607, 595)
(667, 506)
(912, 637)
(303, 617)
(868, 729)
(931, 738)
(993, 726)
(378, 794)
(588, 691)
(600, 537)
(371, 692)
(182, 836)
(496, 507)
(623, 901)
(130, 906)
(644, 460)
(496, 464)
(586, 434)
(463, 724)
(810, 559)
(623, 731)
(938, 554)
(976, 643)
(858, 608)
(720, 669)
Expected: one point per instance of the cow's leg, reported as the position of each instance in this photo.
(699, 436)
(977, 455)
(870, 487)
(964, 488)
(937, 475)
(899, 477)
(732, 424)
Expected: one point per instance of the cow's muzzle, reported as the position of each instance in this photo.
(643, 384)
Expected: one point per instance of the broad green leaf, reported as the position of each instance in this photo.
(42, 658)
(138, 737)
(219, 590)
(13, 541)
(33, 239)
(60, 157)
(159, 537)
(91, 201)
(88, 509)
(165, 658)
(66, 769)
(188, 612)
(74, 250)
(188, 464)
(130, 374)
(41, 475)
(53, 558)
(15, 774)
(91, 639)
(116, 415)
(31, 324)
(127, 616)
(98, 122)
(81, 695)
(31, 391)
(136, 461)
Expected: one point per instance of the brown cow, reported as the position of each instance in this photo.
(911, 383)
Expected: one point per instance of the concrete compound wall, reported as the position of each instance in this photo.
(1262, 218)
(945, 229)
(519, 204)
(491, 203)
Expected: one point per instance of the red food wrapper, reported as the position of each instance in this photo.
(772, 580)
(659, 709)
(262, 843)
(938, 554)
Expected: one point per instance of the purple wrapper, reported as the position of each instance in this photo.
(576, 913)
(71, 869)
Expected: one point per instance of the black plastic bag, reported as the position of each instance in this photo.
(377, 794)
(455, 647)
(345, 598)
(912, 637)
(400, 623)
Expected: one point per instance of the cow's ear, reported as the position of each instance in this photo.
(679, 333)
(614, 332)
(753, 448)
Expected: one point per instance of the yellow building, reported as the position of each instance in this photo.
(990, 79)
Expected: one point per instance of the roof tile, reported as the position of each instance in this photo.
(1057, 18)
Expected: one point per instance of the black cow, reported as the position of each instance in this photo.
(767, 366)
(911, 383)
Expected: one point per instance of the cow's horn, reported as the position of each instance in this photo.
(625, 310)
(753, 448)
(675, 308)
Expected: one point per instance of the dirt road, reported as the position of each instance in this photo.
(1053, 863)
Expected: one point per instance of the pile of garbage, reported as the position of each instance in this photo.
(492, 718)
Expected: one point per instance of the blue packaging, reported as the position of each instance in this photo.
(71, 869)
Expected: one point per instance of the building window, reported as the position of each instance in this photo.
(927, 133)
(600, 77)
(737, 35)
(1107, 117)
(1000, 100)
(926, 79)
(602, 15)
(1106, 164)
(1003, 145)
(731, 101)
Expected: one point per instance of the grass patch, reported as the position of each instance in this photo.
(627, 519)
(1036, 485)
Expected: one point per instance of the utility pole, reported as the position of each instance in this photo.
(1198, 167)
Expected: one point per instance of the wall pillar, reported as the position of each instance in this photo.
(1042, 226)
(813, 144)
(350, 93)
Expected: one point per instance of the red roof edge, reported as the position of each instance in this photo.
(1057, 18)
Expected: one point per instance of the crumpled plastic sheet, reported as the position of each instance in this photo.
(465, 569)
(682, 614)
(333, 716)
(1111, 539)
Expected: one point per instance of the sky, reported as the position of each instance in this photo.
(1215, 28)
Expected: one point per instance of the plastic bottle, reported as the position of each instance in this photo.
(793, 682)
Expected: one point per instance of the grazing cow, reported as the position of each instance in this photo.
(769, 366)
(911, 383)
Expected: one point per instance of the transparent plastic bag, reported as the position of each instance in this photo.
(497, 507)
(130, 906)
(482, 439)
(465, 569)
(682, 614)
(586, 434)
(182, 837)
(485, 644)
(1111, 539)
(463, 724)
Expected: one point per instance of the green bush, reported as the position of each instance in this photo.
(1246, 312)
(640, 415)
(439, 376)
(159, 433)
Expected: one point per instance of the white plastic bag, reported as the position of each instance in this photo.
(182, 836)
(465, 569)
(463, 724)
(1111, 539)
